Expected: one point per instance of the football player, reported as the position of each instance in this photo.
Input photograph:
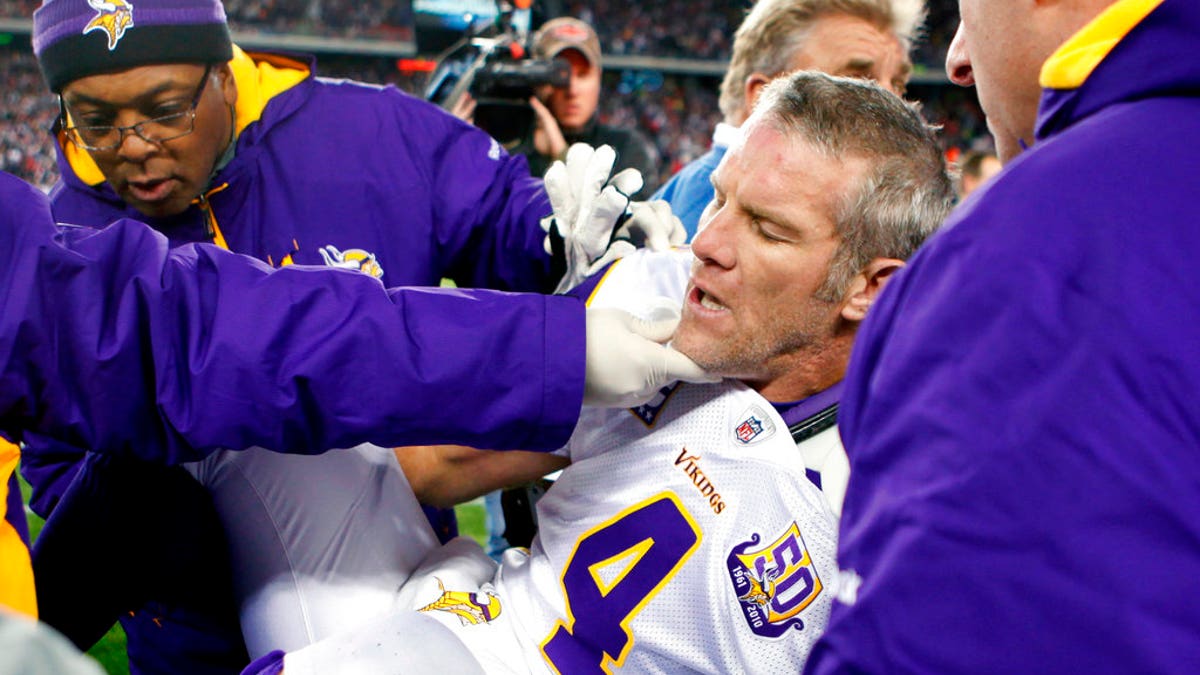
(692, 533)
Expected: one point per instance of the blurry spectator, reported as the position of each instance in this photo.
(976, 169)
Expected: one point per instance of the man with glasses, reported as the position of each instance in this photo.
(165, 120)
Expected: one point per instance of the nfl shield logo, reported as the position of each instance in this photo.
(749, 429)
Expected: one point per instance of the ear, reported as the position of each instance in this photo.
(228, 85)
(754, 84)
(866, 286)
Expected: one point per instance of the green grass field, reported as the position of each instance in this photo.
(110, 650)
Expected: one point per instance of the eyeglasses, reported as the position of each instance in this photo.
(154, 130)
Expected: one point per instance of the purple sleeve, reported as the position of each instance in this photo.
(110, 340)
(486, 206)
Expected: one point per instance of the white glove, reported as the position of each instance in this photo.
(627, 365)
(653, 223)
(587, 206)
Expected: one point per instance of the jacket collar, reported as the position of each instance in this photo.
(1133, 50)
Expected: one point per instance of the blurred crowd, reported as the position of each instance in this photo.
(626, 28)
(379, 19)
(655, 28)
(940, 25)
(676, 112)
(26, 114)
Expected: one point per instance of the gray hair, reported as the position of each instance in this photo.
(905, 195)
(775, 30)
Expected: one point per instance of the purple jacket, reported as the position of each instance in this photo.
(110, 339)
(1021, 408)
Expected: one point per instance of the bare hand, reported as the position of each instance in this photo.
(464, 109)
(548, 138)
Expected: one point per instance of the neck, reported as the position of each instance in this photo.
(805, 372)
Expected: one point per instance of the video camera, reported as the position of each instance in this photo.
(489, 62)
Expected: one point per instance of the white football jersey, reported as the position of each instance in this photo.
(701, 546)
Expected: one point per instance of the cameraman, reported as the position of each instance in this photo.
(568, 115)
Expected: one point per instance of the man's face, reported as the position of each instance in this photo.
(997, 50)
(158, 179)
(848, 46)
(575, 104)
(763, 251)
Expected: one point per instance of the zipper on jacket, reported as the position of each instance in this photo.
(211, 229)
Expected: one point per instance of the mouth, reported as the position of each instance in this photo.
(706, 301)
(151, 190)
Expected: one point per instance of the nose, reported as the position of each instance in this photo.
(712, 243)
(958, 60)
(134, 148)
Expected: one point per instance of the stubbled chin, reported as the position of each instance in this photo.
(689, 341)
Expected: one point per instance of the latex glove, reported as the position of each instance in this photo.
(626, 362)
(587, 208)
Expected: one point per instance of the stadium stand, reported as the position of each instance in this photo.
(26, 112)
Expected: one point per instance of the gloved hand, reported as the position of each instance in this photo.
(626, 362)
(593, 222)
(653, 225)
(586, 207)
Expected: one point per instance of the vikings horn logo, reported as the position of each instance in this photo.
(470, 608)
(352, 259)
(762, 588)
(112, 17)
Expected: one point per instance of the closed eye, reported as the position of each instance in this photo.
(767, 230)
